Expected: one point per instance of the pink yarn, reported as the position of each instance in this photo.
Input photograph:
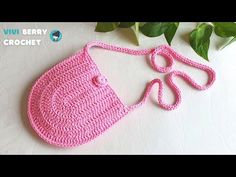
(72, 103)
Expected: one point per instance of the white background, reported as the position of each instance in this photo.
(205, 122)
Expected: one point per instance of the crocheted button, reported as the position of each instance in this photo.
(100, 81)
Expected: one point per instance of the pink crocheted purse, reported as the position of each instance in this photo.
(72, 103)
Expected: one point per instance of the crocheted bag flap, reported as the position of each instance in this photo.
(73, 103)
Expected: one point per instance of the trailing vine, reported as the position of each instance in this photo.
(199, 38)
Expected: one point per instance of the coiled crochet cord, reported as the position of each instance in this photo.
(169, 54)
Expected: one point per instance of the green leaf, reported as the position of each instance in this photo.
(106, 26)
(200, 39)
(170, 31)
(228, 43)
(126, 24)
(154, 29)
(225, 29)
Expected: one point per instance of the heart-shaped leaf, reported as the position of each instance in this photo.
(200, 39)
(154, 29)
(225, 29)
(126, 24)
(106, 26)
(170, 31)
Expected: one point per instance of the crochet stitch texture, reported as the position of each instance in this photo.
(72, 103)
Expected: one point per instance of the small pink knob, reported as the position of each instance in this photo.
(100, 80)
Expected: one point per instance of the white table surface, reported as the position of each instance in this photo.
(205, 122)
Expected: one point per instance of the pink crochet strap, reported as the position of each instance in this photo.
(170, 55)
(118, 49)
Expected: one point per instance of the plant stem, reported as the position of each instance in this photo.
(136, 31)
